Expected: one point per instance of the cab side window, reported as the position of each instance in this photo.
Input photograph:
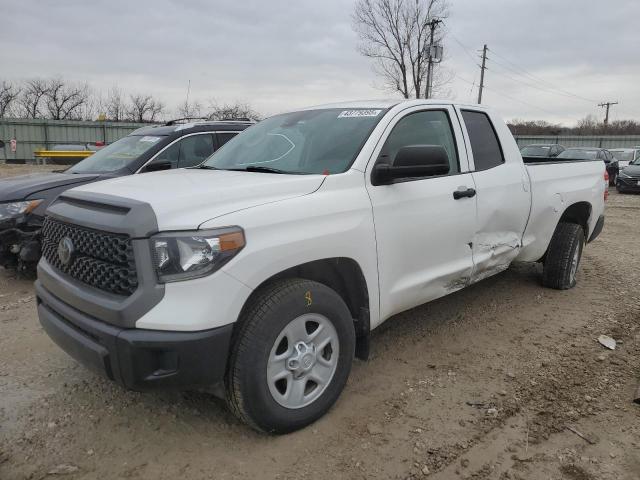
(431, 127)
(194, 150)
(485, 145)
(170, 154)
(187, 152)
(224, 137)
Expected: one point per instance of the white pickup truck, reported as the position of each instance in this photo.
(263, 270)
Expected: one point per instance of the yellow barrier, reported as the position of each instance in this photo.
(63, 153)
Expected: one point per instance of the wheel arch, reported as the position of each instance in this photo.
(578, 213)
(343, 275)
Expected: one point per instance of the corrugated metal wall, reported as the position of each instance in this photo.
(43, 134)
(602, 141)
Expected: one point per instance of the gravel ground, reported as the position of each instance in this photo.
(11, 170)
(488, 383)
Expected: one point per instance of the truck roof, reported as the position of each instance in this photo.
(390, 102)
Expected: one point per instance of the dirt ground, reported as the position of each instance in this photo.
(11, 170)
(486, 383)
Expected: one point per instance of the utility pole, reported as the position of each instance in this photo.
(606, 115)
(432, 26)
(482, 69)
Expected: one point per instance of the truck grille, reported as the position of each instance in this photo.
(99, 259)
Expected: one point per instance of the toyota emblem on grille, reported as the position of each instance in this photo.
(65, 250)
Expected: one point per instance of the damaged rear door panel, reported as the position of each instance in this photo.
(504, 197)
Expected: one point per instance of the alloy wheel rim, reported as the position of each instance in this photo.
(303, 361)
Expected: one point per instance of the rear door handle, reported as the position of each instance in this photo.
(469, 192)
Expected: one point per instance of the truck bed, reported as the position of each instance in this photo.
(556, 185)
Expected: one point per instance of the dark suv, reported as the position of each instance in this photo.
(23, 199)
(594, 153)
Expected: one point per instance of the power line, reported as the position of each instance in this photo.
(507, 96)
(521, 71)
(529, 84)
(465, 48)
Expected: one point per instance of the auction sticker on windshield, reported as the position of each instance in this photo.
(359, 113)
(150, 139)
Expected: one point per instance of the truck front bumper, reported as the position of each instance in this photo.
(138, 359)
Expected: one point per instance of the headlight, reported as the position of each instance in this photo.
(186, 255)
(622, 174)
(15, 209)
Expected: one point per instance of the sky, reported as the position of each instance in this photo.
(551, 60)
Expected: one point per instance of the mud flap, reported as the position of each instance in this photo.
(363, 334)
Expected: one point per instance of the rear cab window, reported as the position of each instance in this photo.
(485, 145)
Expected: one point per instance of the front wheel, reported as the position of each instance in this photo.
(292, 356)
(563, 256)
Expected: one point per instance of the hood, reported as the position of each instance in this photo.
(183, 199)
(632, 170)
(24, 186)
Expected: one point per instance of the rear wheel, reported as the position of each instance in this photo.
(292, 356)
(563, 256)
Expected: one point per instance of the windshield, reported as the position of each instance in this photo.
(116, 156)
(535, 151)
(622, 155)
(312, 141)
(579, 154)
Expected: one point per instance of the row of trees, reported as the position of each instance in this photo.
(589, 125)
(57, 99)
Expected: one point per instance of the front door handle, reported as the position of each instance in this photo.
(469, 192)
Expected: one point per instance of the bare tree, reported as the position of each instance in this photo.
(189, 109)
(65, 101)
(396, 34)
(31, 99)
(115, 105)
(144, 108)
(8, 95)
(232, 111)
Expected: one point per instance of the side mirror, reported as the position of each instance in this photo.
(1, 144)
(158, 166)
(413, 161)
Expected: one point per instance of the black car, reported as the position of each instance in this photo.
(629, 178)
(542, 150)
(594, 153)
(23, 199)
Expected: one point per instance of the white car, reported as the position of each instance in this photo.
(264, 270)
(625, 156)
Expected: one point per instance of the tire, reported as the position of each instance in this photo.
(269, 339)
(563, 256)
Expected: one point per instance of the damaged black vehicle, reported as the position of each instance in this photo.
(24, 198)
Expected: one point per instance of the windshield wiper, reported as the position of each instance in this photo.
(207, 167)
(254, 168)
(258, 168)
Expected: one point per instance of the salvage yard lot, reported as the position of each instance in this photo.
(524, 357)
